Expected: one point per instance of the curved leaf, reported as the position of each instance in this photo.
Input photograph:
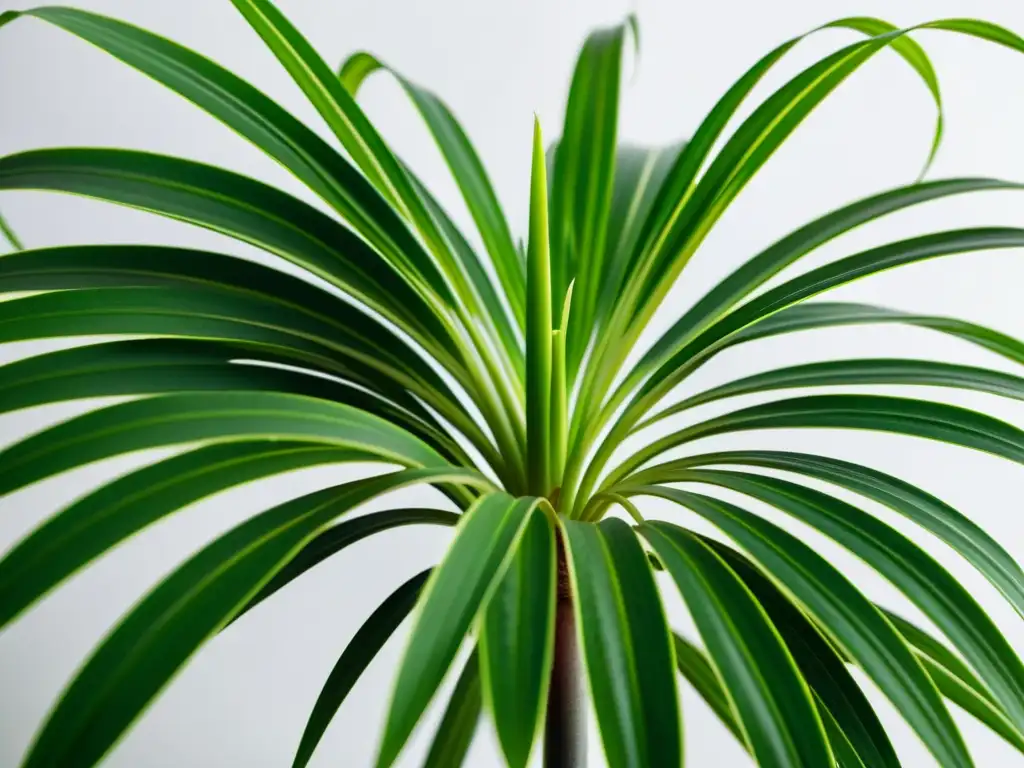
(832, 373)
(358, 654)
(694, 665)
(234, 320)
(158, 636)
(455, 733)
(825, 278)
(516, 641)
(102, 519)
(625, 645)
(468, 171)
(785, 252)
(839, 697)
(956, 682)
(336, 538)
(828, 314)
(898, 415)
(937, 517)
(771, 699)
(239, 207)
(456, 591)
(215, 416)
(260, 120)
(850, 619)
(927, 584)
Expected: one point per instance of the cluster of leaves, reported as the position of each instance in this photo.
(499, 376)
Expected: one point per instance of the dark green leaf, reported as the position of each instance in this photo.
(516, 641)
(625, 644)
(338, 537)
(455, 734)
(952, 527)
(927, 584)
(158, 636)
(102, 519)
(358, 654)
(216, 416)
(484, 541)
(851, 619)
(237, 206)
(771, 699)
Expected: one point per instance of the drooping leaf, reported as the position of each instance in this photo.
(159, 635)
(516, 641)
(951, 526)
(338, 537)
(773, 702)
(468, 171)
(261, 121)
(926, 583)
(851, 619)
(454, 594)
(625, 645)
(175, 419)
(898, 415)
(100, 520)
(839, 697)
(358, 654)
(955, 681)
(455, 734)
(858, 372)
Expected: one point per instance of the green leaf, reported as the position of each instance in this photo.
(759, 136)
(239, 322)
(153, 366)
(926, 583)
(109, 515)
(851, 619)
(864, 371)
(771, 699)
(361, 650)
(582, 182)
(239, 207)
(538, 328)
(956, 682)
(12, 239)
(838, 696)
(788, 250)
(934, 515)
(261, 121)
(174, 419)
(458, 588)
(516, 641)
(468, 171)
(455, 734)
(826, 314)
(694, 665)
(898, 415)
(626, 645)
(157, 637)
(825, 278)
(338, 537)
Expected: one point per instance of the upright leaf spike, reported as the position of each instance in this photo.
(560, 392)
(538, 328)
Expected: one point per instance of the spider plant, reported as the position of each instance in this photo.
(502, 375)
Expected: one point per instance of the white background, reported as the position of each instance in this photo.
(243, 700)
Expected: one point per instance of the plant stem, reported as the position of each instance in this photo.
(565, 730)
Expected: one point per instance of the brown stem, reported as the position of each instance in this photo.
(565, 732)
